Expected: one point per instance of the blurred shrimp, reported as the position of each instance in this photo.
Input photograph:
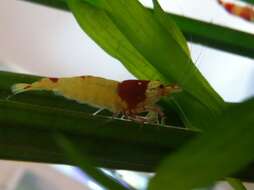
(129, 97)
(245, 12)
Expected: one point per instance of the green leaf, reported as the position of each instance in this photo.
(236, 184)
(169, 24)
(26, 134)
(86, 165)
(248, 1)
(148, 49)
(103, 31)
(225, 148)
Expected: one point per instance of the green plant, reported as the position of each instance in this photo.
(157, 50)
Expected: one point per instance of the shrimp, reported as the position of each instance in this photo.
(129, 97)
(245, 12)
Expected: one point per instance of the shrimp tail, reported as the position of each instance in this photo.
(20, 87)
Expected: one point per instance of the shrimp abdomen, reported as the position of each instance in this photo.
(95, 91)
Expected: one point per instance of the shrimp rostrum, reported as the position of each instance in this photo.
(129, 98)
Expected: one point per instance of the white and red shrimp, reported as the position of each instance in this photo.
(245, 12)
(129, 97)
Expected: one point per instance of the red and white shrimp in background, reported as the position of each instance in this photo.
(246, 12)
(129, 97)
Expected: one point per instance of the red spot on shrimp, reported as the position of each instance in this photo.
(28, 86)
(53, 79)
(246, 13)
(132, 92)
(229, 7)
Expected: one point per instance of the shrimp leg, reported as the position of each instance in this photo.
(155, 115)
(98, 111)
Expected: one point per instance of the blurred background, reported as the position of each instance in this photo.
(43, 41)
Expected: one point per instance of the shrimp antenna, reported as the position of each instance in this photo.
(196, 63)
(182, 112)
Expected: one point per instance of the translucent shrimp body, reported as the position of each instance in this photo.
(129, 97)
(95, 91)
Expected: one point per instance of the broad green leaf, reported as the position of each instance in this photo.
(224, 149)
(136, 36)
(169, 24)
(86, 165)
(102, 30)
(236, 184)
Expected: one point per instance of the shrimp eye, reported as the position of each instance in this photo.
(161, 86)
